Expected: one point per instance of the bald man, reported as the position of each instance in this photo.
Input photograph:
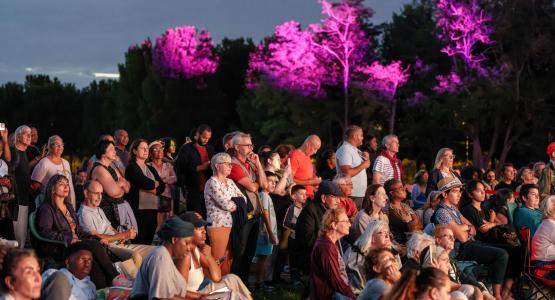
(302, 168)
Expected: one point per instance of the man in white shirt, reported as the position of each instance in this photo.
(93, 220)
(353, 162)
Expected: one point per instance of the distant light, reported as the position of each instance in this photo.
(107, 75)
(29, 69)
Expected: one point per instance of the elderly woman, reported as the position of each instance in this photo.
(443, 167)
(166, 172)
(375, 199)
(415, 245)
(57, 220)
(383, 269)
(50, 165)
(543, 243)
(327, 270)
(146, 187)
(219, 193)
(375, 236)
(20, 273)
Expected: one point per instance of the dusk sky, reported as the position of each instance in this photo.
(74, 39)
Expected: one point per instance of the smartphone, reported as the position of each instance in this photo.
(2, 126)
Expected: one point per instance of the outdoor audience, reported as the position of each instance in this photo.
(346, 229)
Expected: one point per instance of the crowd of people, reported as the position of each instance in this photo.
(148, 220)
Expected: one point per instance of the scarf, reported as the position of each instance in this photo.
(394, 161)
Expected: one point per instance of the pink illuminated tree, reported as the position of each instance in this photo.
(385, 79)
(292, 61)
(182, 53)
(341, 36)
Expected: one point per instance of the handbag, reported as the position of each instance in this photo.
(164, 204)
(7, 202)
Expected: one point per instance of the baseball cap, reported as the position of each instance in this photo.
(550, 148)
(327, 187)
(194, 218)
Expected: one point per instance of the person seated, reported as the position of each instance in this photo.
(426, 284)
(158, 277)
(20, 274)
(73, 281)
(345, 184)
(445, 238)
(543, 243)
(57, 220)
(382, 269)
(94, 222)
(528, 213)
(499, 206)
(417, 242)
(402, 219)
(428, 209)
(327, 271)
(375, 236)
(375, 200)
(202, 271)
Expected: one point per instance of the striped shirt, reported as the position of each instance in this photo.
(383, 166)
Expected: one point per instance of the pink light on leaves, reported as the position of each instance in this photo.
(464, 25)
(385, 79)
(179, 54)
(290, 60)
(448, 84)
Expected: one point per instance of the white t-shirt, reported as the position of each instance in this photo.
(348, 155)
(45, 169)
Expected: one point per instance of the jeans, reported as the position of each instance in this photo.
(495, 259)
(243, 256)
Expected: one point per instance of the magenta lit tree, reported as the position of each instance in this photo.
(181, 53)
(386, 80)
(340, 35)
(465, 27)
(292, 61)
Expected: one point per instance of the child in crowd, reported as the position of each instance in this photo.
(268, 233)
(298, 195)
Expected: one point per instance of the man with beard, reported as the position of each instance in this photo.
(192, 167)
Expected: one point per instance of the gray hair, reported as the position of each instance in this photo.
(388, 137)
(52, 140)
(415, 244)
(364, 242)
(218, 158)
(439, 156)
(350, 131)
(238, 137)
(548, 207)
(341, 179)
(427, 261)
(19, 130)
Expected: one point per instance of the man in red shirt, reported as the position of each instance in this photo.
(248, 174)
(302, 168)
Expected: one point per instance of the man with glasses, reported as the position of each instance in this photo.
(302, 168)
(465, 247)
(247, 172)
(387, 166)
(93, 220)
(192, 167)
(353, 162)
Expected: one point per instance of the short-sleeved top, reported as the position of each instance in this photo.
(291, 217)
(158, 277)
(267, 204)
(348, 155)
(22, 175)
(217, 196)
(93, 220)
(237, 173)
(45, 169)
(303, 169)
(477, 218)
(446, 214)
(374, 289)
(383, 166)
(527, 217)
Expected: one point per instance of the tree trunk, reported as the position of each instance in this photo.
(477, 155)
(392, 116)
(346, 93)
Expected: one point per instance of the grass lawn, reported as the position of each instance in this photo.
(284, 291)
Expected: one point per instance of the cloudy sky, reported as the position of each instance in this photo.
(74, 39)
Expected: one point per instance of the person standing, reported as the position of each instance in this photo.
(547, 177)
(193, 170)
(387, 166)
(353, 162)
(21, 168)
(302, 169)
(121, 138)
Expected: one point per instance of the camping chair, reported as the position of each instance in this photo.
(39, 242)
(538, 286)
(511, 207)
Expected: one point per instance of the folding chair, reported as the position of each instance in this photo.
(538, 286)
(40, 243)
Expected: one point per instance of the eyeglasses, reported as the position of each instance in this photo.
(449, 236)
(94, 193)
(453, 156)
(224, 163)
(246, 145)
(58, 145)
(346, 221)
(347, 184)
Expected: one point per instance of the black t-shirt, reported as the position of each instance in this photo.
(477, 218)
(22, 173)
(502, 185)
(281, 203)
(32, 152)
